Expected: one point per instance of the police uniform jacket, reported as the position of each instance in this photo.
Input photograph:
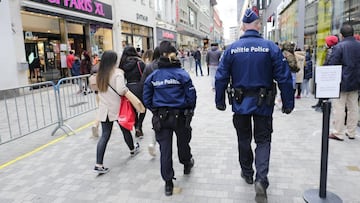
(169, 86)
(252, 63)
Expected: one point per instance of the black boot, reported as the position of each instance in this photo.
(169, 186)
(188, 166)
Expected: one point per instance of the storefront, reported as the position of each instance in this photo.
(138, 36)
(52, 28)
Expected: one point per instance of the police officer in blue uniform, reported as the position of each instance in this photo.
(247, 70)
(171, 96)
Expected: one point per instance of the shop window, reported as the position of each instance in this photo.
(100, 39)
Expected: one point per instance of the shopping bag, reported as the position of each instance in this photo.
(137, 104)
(126, 117)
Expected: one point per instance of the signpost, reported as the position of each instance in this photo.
(327, 80)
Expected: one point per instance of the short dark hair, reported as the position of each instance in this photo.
(347, 30)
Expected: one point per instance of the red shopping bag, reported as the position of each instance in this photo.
(126, 117)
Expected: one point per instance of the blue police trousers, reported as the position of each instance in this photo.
(262, 134)
(165, 139)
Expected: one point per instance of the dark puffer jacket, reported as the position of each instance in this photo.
(134, 68)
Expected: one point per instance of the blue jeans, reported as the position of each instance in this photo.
(198, 64)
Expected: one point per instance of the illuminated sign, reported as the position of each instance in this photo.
(168, 35)
(90, 7)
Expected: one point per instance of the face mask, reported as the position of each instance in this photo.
(82, 57)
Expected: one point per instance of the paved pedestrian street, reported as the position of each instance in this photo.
(41, 168)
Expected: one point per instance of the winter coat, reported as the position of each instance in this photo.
(300, 62)
(347, 54)
(308, 69)
(213, 56)
(134, 68)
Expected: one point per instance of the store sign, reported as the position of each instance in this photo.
(90, 7)
(141, 17)
(168, 35)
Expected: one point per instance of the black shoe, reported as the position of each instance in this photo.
(261, 196)
(101, 170)
(248, 179)
(169, 186)
(187, 167)
(139, 133)
(315, 106)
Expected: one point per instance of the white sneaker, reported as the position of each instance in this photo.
(136, 150)
(95, 131)
(152, 150)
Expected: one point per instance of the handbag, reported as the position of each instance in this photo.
(92, 82)
(126, 117)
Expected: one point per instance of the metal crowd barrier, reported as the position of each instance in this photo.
(30, 108)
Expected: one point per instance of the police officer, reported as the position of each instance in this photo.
(251, 64)
(171, 96)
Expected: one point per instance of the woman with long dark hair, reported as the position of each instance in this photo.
(133, 67)
(111, 83)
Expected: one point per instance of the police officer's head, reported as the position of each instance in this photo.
(251, 21)
(167, 50)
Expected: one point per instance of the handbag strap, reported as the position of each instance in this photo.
(114, 90)
(138, 65)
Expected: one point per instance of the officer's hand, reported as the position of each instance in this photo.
(221, 107)
(286, 110)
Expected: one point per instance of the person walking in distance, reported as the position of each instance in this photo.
(330, 41)
(171, 97)
(212, 61)
(197, 57)
(347, 54)
(111, 83)
(253, 96)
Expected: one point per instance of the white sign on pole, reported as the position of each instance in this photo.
(328, 79)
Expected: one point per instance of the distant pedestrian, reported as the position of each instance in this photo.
(70, 58)
(171, 97)
(308, 72)
(250, 65)
(330, 42)
(85, 68)
(347, 54)
(197, 57)
(300, 62)
(212, 61)
(110, 79)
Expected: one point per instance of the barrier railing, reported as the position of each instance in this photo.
(30, 108)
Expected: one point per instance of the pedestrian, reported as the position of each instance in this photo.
(212, 61)
(85, 68)
(147, 57)
(288, 49)
(197, 57)
(171, 97)
(110, 79)
(250, 65)
(330, 42)
(94, 71)
(134, 67)
(149, 68)
(347, 54)
(308, 72)
(300, 62)
(70, 58)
